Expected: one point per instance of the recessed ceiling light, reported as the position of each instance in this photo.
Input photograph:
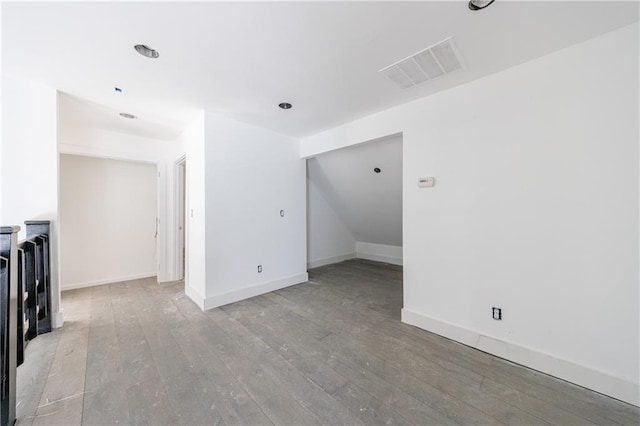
(285, 105)
(479, 4)
(127, 115)
(146, 51)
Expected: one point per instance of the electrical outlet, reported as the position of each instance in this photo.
(259, 269)
(426, 182)
(497, 314)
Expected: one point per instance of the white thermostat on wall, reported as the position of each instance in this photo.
(426, 182)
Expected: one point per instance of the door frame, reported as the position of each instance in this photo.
(180, 217)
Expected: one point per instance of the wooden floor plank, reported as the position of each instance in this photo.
(105, 377)
(331, 351)
(32, 375)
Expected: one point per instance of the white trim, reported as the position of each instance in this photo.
(161, 237)
(256, 290)
(329, 260)
(599, 381)
(195, 296)
(107, 281)
(89, 151)
(58, 319)
(379, 258)
(179, 195)
(379, 252)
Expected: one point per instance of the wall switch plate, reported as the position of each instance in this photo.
(426, 182)
(497, 314)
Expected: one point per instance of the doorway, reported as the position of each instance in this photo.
(354, 203)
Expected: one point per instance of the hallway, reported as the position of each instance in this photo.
(330, 351)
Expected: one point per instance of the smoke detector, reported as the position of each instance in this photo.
(430, 63)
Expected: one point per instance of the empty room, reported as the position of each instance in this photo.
(300, 213)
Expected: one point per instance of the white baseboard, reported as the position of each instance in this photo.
(58, 319)
(581, 375)
(195, 296)
(329, 260)
(256, 290)
(379, 253)
(107, 281)
(379, 258)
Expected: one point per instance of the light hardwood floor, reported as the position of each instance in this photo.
(330, 351)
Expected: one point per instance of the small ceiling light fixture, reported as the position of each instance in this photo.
(127, 115)
(479, 4)
(285, 105)
(146, 51)
(377, 170)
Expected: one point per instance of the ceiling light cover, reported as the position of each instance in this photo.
(433, 62)
(127, 115)
(146, 51)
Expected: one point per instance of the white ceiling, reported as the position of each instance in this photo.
(76, 112)
(242, 59)
(368, 203)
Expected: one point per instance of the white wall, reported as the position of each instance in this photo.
(30, 164)
(369, 203)
(535, 210)
(329, 240)
(251, 174)
(107, 221)
(102, 143)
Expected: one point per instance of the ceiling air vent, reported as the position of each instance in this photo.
(434, 61)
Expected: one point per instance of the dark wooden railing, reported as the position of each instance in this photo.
(25, 302)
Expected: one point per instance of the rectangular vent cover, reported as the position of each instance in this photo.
(433, 62)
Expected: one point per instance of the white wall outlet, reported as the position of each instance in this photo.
(497, 313)
(426, 182)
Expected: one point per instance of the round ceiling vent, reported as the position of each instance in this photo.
(479, 4)
(146, 51)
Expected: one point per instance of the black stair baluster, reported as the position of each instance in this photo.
(8, 326)
(40, 231)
